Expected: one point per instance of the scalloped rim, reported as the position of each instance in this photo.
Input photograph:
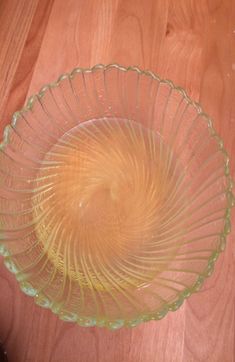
(42, 300)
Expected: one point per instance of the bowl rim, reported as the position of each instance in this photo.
(39, 298)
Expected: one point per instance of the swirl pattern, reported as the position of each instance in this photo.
(108, 195)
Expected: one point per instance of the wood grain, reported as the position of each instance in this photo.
(28, 59)
(192, 43)
(15, 19)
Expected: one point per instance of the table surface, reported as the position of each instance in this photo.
(189, 42)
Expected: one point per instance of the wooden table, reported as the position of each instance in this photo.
(190, 42)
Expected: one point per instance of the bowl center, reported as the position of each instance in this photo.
(105, 184)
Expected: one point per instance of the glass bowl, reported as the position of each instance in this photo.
(115, 196)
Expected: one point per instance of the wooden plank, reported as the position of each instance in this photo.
(100, 32)
(15, 19)
(191, 43)
(25, 66)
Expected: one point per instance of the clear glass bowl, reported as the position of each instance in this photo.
(115, 196)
